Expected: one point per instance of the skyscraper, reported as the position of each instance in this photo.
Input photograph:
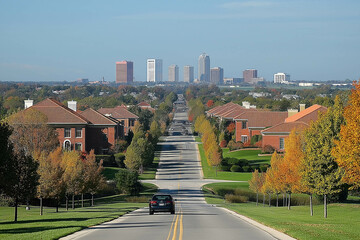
(188, 74)
(204, 68)
(281, 78)
(248, 74)
(217, 75)
(173, 73)
(124, 72)
(154, 70)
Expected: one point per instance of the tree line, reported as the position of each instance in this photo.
(322, 160)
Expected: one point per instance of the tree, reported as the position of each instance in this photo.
(133, 157)
(73, 174)
(6, 157)
(214, 156)
(210, 103)
(291, 164)
(155, 131)
(93, 178)
(127, 182)
(346, 150)
(320, 170)
(255, 184)
(273, 176)
(31, 132)
(51, 182)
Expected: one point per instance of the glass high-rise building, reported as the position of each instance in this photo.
(188, 74)
(154, 70)
(124, 72)
(217, 75)
(173, 73)
(204, 68)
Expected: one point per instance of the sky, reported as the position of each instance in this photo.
(47, 40)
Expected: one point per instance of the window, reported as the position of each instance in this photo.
(67, 145)
(282, 144)
(78, 132)
(243, 125)
(67, 132)
(131, 123)
(122, 122)
(244, 139)
(78, 146)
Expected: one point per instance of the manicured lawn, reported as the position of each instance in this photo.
(250, 155)
(342, 223)
(209, 172)
(149, 173)
(54, 225)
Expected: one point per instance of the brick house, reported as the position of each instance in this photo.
(146, 106)
(80, 131)
(250, 123)
(124, 116)
(275, 136)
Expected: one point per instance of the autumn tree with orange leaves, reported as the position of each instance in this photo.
(256, 182)
(347, 151)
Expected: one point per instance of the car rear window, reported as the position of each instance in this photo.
(162, 197)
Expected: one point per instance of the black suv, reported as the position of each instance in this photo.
(162, 203)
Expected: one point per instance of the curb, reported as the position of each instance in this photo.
(199, 159)
(275, 233)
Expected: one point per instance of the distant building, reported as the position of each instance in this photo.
(204, 68)
(188, 74)
(231, 81)
(173, 73)
(256, 80)
(124, 72)
(281, 78)
(217, 75)
(248, 74)
(154, 70)
(82, 80)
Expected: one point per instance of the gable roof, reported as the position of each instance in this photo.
(97, 118)
(57, 113)
(217, 108)
(307, 115)
(225, 109)
(285, 128)
(262, 119)
(118, 112)
(144, 104)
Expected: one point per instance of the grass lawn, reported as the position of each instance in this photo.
(149, 173)
(209, 172)
(250, 155)
(54, 225)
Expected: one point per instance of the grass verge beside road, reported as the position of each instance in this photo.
(342, 223)
(54, 225)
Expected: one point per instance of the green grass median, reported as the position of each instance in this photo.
(54, 225)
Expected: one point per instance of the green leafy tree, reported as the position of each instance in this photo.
(320, 170)
(127, 182)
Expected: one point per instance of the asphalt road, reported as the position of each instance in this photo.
(178, 174)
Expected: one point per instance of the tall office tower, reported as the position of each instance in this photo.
(154, 70)
(173, 73)
(217, 75)
(281, 78)
(248, 74)
(188, 74)
(124, 72)
(204, 68)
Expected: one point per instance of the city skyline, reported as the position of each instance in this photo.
(48, 41)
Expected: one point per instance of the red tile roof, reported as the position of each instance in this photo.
(57, 113)
(144, 104)
(262, 119)
(217, 108)
(307, 115)
(97, 118)
(285, 128)
(225, 109)
(118, 112)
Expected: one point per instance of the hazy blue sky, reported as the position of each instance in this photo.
(45, 40)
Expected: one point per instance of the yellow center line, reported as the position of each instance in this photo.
(172, 225)
(175, 228)
(181, 226)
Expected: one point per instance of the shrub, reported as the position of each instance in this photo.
(223, 144)
(268, 149)
(224, 167)
(127, 182)
(235, 168)
(137, 199)
(254, 139)
(263, 167)
(232, 145)
(236, 198)
(108, 160)
(232, 161)
(120, 146)
(119, 159)
(247, 168)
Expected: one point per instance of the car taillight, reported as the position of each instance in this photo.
(153, 202)
(168, 202)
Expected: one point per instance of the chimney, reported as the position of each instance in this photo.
(302, 106)
(292, 112)
(28, 103)
(72, 105)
